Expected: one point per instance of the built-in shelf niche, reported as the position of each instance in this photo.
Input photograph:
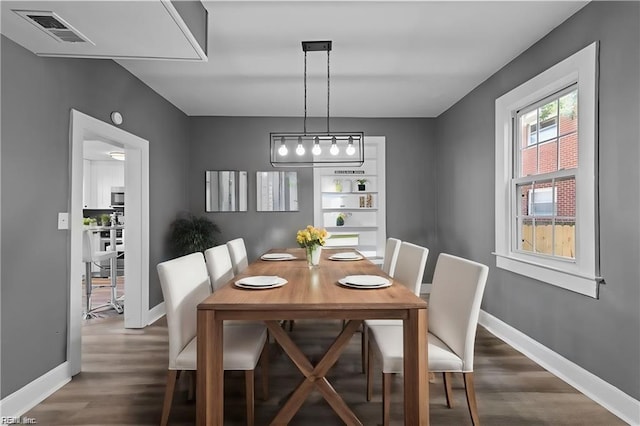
(364, 212)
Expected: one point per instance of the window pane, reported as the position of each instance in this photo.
(548, 157)
(566, 198)
(565, 244)
(569, 113)
(542, 202)
(524, 192)
(568, 151)
(525, 234)
(529, 161)
(548, 111)
(547, 121)
(528, 128)
(543, 236)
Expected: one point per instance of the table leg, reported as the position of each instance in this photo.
(314, 376)
(416, 369)
(210, 373)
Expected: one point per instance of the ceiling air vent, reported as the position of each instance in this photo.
(53, 25)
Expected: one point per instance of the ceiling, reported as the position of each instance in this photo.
(389, 59)
(97, 150)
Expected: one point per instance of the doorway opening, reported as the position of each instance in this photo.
(103, 211)
(136, 200)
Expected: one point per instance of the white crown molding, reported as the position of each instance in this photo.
(603, 393)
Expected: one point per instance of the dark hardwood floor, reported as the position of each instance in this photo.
(124, 371)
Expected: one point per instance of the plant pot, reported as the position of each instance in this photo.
(361, 187)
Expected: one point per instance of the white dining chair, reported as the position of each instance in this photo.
(238, 253)
(219, 265)
(185, 283)
(92, 256)
(409, 270)
(391, 256)
(454, 306)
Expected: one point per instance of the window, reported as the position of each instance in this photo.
(546, 200)
(540, 202)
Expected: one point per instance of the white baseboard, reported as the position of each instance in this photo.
(605, 394)
(34, 393)
(156, 313)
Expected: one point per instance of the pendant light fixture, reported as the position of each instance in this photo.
(316, 149)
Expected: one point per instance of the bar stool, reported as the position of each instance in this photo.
(89, 256)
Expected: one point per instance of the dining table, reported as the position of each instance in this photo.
(311, 293)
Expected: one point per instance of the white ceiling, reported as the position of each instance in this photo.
(389, 59)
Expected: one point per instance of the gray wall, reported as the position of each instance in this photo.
(602, 336)
(37, 96)
(242, 143)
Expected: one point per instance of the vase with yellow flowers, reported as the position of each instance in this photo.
(312, 239)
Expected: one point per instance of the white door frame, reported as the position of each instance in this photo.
(81, 128)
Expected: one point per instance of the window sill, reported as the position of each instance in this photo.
(584, 285)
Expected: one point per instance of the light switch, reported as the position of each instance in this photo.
(63, 220)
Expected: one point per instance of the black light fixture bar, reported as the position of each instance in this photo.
(289, 149)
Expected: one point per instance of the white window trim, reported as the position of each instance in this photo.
(581, 275)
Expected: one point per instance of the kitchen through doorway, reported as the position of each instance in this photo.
(103, 216)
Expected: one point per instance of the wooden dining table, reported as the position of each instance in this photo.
(311, 293)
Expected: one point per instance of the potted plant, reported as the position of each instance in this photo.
(190, 234)
(361, 184)
(105, 220)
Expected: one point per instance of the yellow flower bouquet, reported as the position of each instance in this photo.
(312, 239)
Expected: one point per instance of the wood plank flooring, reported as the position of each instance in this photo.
(124, 372)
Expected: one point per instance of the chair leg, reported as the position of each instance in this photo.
(370, 374)
(249, 389)
(365, 347)
(446, 378)
(192, 385)
(386, 397)
(471, 397)
(172, 376)
(87, 284)
(264, 363)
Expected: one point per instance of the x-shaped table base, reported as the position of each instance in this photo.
(314, 375)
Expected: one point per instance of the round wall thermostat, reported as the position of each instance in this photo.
(116, 118)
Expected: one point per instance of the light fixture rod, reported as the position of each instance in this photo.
(305, 93)
(328, 89)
